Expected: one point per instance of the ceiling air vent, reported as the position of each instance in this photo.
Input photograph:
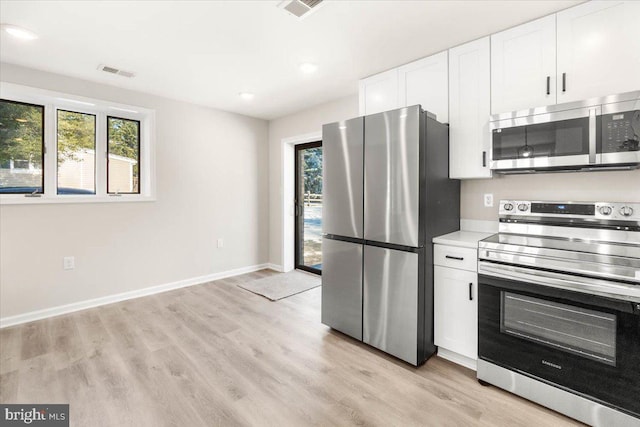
(299, 8)
(116, 71)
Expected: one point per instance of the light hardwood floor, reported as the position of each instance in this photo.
(215, 354)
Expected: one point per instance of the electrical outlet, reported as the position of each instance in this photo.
(69, 262)
(220, 243)
(488, 200)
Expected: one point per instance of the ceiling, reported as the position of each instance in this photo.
(207, 52)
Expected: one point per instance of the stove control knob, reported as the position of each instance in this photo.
(626, 211)
(522, 207)
(605, 210)
(508, 206)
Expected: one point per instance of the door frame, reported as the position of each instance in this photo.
(298, 262)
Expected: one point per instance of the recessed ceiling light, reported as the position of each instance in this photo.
(19, 32)
(246, 95)
(308, 67)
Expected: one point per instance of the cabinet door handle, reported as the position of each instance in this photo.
(548, 85)
(564, 82)
(470, 291)
(484, 159)
(457, 258)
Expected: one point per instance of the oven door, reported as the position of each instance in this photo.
(551, 140)
(587, 345)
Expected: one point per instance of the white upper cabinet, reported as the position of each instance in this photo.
(421, 82)
(379, 93)
(469, 109)
(424, 82)
(523, 66)
(598, 49)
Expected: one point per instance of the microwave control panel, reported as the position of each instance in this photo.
(621, 132)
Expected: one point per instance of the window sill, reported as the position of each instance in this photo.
(20, 199)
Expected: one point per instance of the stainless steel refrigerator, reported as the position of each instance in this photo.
(387, 193)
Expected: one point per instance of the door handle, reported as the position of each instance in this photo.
(484, 159)
(548, 85)
(471, 291)
(457, 258)
(564, 82)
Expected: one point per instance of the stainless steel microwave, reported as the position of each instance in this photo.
(595, 134)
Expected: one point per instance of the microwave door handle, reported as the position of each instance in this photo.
(592, 135)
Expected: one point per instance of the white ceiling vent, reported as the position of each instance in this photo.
(117, 71)
(300, 8)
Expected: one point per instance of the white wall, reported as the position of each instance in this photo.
(212, 181)
(302, 123)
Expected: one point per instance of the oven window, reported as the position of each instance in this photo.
(562, 138)
(588, 333)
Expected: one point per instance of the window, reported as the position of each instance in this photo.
(76, 153)
(21, 147)
(123, 170)
(59, 148)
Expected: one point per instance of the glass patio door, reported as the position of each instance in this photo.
(308, 203)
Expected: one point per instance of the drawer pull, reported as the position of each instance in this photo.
(457, 258)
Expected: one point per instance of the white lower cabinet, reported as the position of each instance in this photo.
(456, 312)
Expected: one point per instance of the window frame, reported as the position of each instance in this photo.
(95, 149)
(43, 147)
(54, 101)
(139, 154)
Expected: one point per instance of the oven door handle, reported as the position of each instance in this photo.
(567, 282)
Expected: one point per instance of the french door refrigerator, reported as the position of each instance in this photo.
(387, 193)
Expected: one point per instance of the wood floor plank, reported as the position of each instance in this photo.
(10, 348)
(35, 340)
(86, 395)
(217, 355)
(9, 386)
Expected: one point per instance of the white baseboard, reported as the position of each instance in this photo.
(110, 299)
(275, 267)
(458, 358)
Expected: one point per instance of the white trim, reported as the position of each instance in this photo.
(457, 358)
(287, 191)
(20, 199)
(275, 267)
(110, 299)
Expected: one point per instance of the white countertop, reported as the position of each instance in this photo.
(466, 239)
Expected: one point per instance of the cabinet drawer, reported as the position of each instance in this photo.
(456, 257)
